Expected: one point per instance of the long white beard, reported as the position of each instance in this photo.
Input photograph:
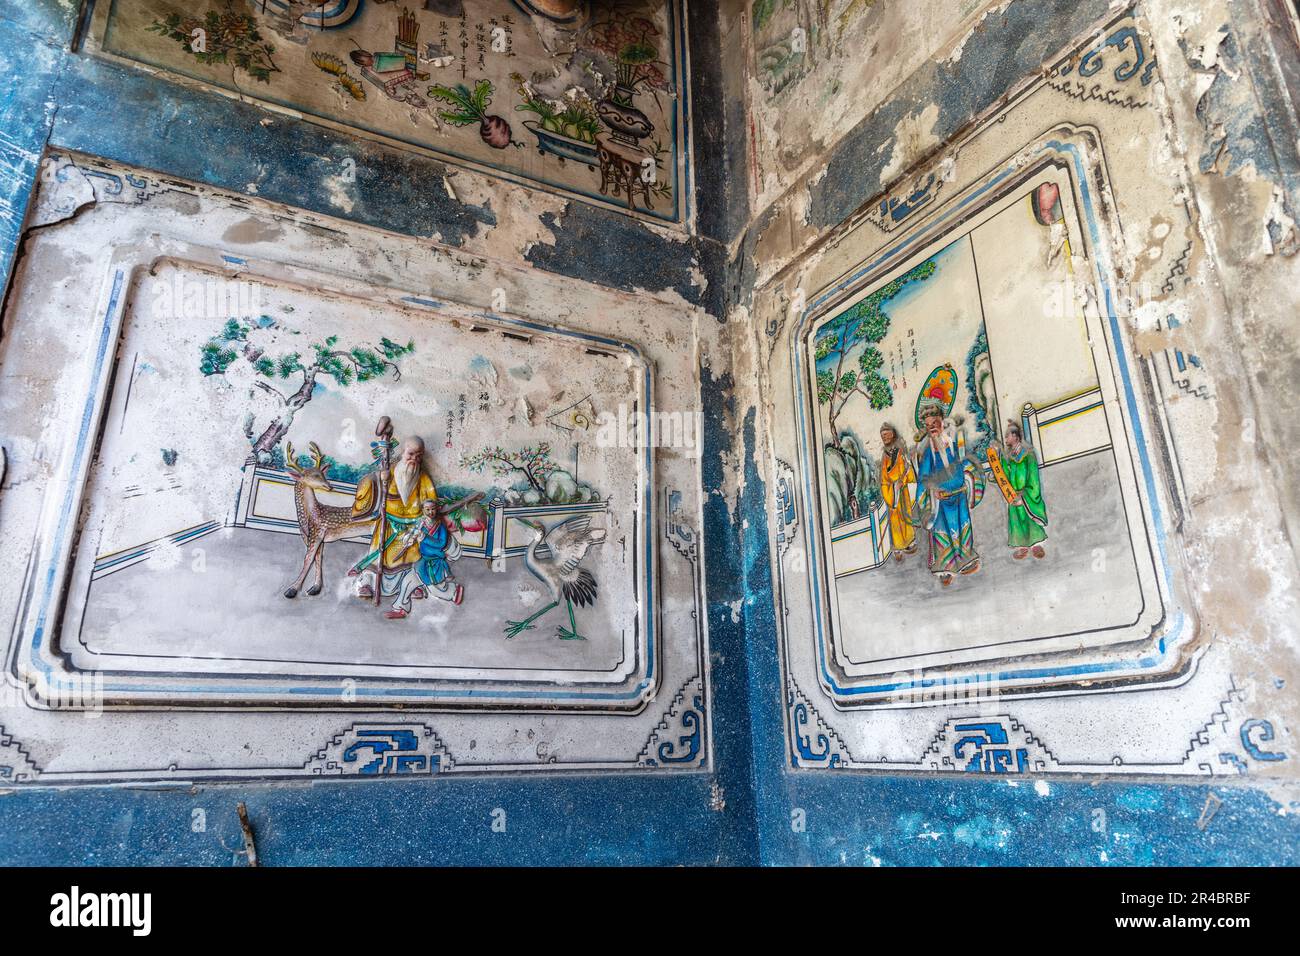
(406, 476)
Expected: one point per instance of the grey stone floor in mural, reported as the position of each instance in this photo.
(234, 609)
(1088, 579)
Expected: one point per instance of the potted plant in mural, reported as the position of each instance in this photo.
(471, 107)
(359, 363)
(543, 496)
(566, 128)
(538, 480)
(222, 38)
(849, 364)
(630, 44)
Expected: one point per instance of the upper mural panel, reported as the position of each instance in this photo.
(578, 99)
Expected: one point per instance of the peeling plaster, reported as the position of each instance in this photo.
(914, 136)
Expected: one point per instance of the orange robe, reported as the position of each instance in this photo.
(401, 514)
(894, 482)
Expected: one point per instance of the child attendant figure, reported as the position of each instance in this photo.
(432, 572)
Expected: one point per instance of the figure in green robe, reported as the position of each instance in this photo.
(1026, 512)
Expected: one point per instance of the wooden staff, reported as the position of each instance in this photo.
(384, 430)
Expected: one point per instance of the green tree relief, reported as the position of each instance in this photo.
(360, 363)
(858, 329)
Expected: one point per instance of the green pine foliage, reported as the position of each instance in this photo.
(861, 327)
(361, 363)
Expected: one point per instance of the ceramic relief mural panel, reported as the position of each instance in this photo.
(980, 491)
(275, 485)
(979, 499)
(506, 546)
(583, 100)
(964, 454)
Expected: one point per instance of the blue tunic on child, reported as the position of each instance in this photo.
(433, 567)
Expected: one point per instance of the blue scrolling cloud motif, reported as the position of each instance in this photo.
(1251, 739)
(785, 513)
(804, 743)
(394, 752)
(1126, 36)
(686, 748)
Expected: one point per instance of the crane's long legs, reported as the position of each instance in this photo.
(515, 628)
(571, 634)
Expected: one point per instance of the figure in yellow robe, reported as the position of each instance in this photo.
(406, 488)
(897, 485)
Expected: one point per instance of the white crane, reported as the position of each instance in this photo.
(568, 543)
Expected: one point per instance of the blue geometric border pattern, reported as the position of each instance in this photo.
(989, 745)
(813, 742)
(382, 749)
(1090, 76)
(1229, 744)
(1161, 650)
(16, 764)
(330, 16)
(904, 201)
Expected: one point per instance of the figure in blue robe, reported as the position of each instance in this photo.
(431, 572)
(950, 485)
(433, 567)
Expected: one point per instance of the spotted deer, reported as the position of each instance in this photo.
(318, 523)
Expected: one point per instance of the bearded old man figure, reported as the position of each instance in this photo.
(404, 492)
(951, 485)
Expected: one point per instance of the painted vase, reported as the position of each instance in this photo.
(628, 123)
